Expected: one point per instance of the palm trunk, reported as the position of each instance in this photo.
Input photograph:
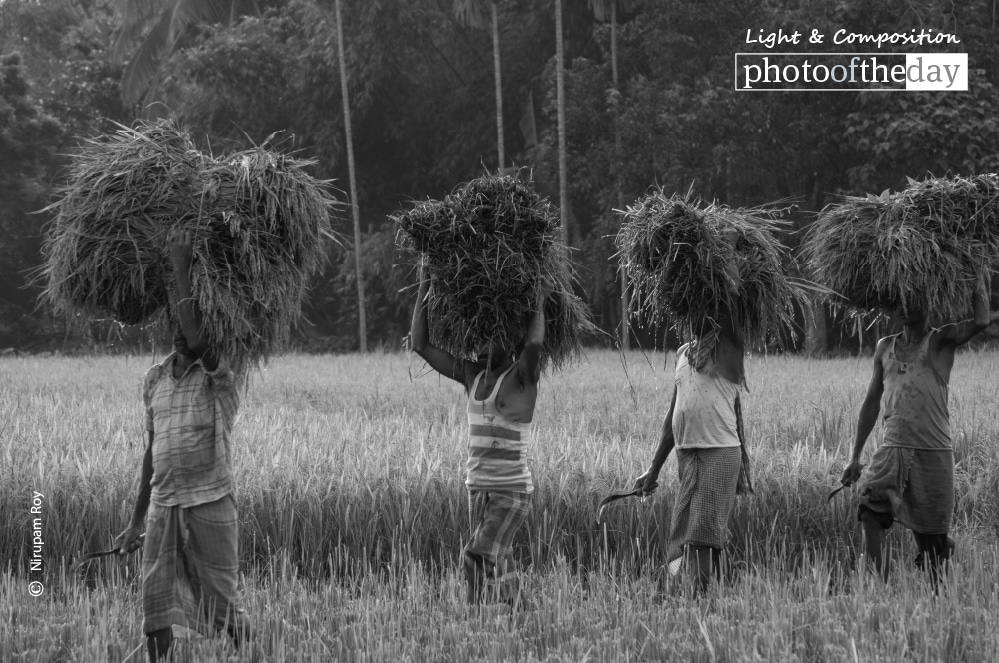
(499, 88)
(353, 180)
(563, 193)
(625, 327)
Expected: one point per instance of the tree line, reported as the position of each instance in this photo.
(439, 90)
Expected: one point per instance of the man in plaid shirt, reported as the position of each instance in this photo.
(190, 565)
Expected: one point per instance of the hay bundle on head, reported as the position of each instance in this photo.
(486, 247)
(926, 247)
(262, 234)
(258, 223)
(121, 193)
(677, 252)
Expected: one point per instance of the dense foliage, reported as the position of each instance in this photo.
(423, 115)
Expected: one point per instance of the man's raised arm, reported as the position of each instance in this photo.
(534, 341)
(188, 311)
(419, 338)
(962, 332)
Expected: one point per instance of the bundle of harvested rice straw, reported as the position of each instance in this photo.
(927, 247)
(259, 226)
(486, 247)
(677, 251)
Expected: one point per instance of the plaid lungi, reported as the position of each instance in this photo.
(190, 567)
(495, 518)
(913, 486)
(703, 506)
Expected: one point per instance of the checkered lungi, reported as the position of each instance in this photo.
(495, 518)
(913, 486)
(703, 506)
(190, 567)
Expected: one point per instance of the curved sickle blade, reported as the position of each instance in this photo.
(613, 498)
(89, 557)
(833, 493)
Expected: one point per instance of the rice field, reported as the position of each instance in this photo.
(349, 473)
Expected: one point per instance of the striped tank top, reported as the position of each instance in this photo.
(497, 447)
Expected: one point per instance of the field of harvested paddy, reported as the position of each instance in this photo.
(349, 473)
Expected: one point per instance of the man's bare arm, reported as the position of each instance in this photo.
(739, 428)
(534, 341)
(419, 339)
(868, 417)
(730, 330)
(730, 353)
(128, 540)
(188, 311)
(648, 482)
(728, 308)
(958, 334)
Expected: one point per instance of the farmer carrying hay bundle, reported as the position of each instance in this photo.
(924, 255)
(716, 275)
(190, 561)
(494, 306)
(225, 246)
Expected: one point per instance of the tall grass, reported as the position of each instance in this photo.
(768, 613)
(349, 474)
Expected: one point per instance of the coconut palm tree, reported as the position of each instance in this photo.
(563, 187)
(470, 12)
(607, 10)
(355, 212)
